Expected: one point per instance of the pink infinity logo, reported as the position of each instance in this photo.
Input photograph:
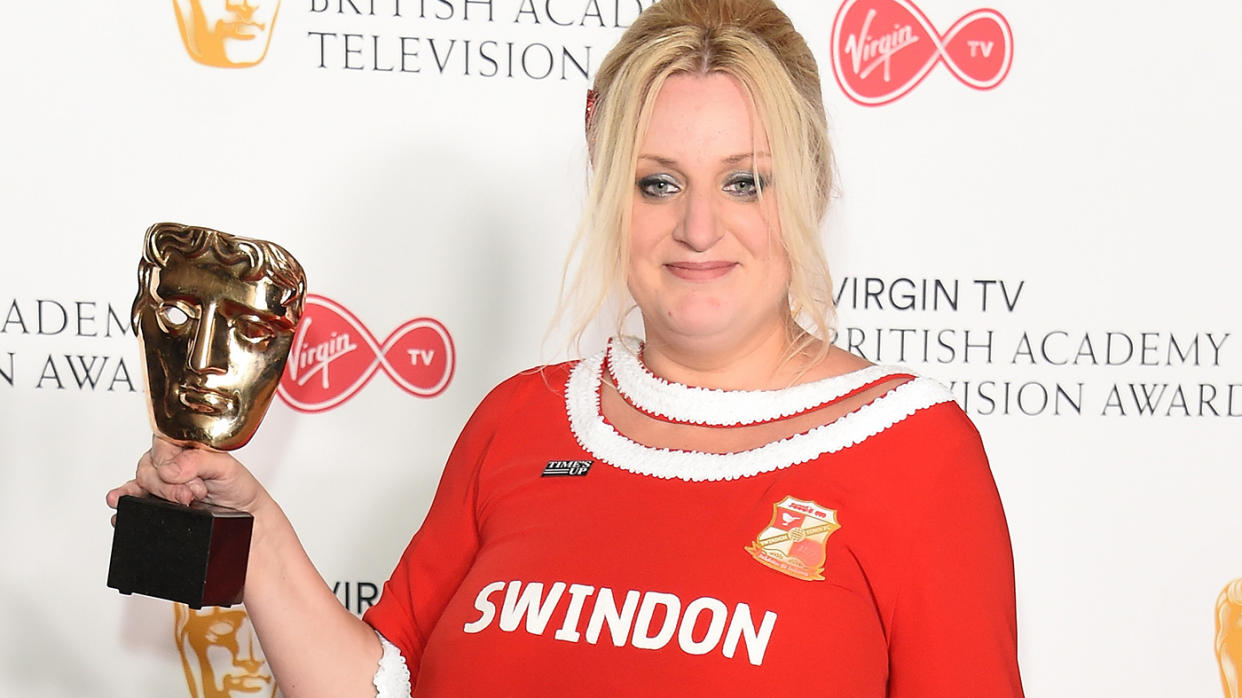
(334, 356)
(882, 49)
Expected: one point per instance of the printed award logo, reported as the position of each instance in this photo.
(334, 356)
(224, 33)
(220, 653)
(1229, 638)
(882, 49)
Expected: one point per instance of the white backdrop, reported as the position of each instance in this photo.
(1089, 198)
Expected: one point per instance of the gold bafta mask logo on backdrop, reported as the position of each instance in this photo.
(1229, 638)
(224, 33)
(220, 654)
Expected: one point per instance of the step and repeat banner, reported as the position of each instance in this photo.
(1037, 206)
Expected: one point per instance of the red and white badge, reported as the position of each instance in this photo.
(795, 540)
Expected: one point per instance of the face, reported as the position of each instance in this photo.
(220, 654)
(706, 262)
(226, 33)
(215, 346)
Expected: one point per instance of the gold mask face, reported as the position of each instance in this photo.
(226, 33)
(220, 654)
(215, 316)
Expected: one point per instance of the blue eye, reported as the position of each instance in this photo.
(659, 186)
(745, 185)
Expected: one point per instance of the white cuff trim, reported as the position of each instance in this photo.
(392, 677)
(598, 437)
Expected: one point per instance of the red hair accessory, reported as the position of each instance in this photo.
(591, 98)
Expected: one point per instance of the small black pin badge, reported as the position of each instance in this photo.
(567, 468)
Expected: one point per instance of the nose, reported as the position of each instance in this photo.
(248, 662)
(209, 351)
(700, 226)
(243, 8)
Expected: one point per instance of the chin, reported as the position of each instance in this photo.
(219, 433)
(704, 330)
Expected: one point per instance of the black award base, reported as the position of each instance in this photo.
(196, 554)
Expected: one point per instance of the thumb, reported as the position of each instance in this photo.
(204, 464)
(164, 449)
(179, 463)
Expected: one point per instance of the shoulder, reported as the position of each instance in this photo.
(933, 409)
(922, 427)
(923, 409)
(525, 398)
(539, 385)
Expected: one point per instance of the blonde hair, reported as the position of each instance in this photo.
(756, 44)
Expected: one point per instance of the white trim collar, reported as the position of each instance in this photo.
(598, 437)
(708, 406)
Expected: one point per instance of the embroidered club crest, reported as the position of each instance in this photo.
(794, 541)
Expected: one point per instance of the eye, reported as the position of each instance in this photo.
(745, 185)
(659, 186)
(220, 630)
(173, 316)
(253, 330)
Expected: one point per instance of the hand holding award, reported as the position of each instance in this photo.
(215, 315)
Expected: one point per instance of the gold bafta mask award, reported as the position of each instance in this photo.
(215, 317)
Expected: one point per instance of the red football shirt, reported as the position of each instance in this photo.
(867, 558)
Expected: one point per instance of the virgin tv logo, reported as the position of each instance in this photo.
(334, 356)
(882, 49)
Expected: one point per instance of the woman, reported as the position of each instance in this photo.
(730, 507)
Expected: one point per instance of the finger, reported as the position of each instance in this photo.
(171, 464)
(197, 488)
(164, 482)
(164, 450)
(130, 488)
(177, 493)
(146, 474)
(200, 463)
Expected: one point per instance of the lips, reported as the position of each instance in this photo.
(205, 400)
(241, 29)
(699, 271)
(249, 683)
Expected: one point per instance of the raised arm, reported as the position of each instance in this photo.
(314, 645)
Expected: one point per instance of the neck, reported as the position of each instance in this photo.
(759, 362)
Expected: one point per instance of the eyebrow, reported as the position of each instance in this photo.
(235, 307)
(731, 160)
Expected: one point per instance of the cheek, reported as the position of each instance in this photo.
(762, 242)
(778, 256)
(634, 281)
(779, 266)
(255, 357)
(648, 225)
(220, 659)
(647, 230)
(774, 260)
